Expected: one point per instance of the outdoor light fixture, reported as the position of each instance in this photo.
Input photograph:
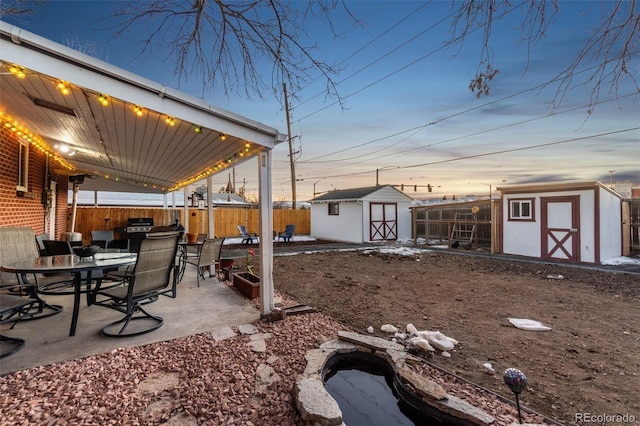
(223, 137)
(138, 110)
(63, 87)
(103, 99)
(17, 71)
(170, 121)
(198, 129)
(65, 149)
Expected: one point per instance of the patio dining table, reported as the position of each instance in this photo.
(70, 264)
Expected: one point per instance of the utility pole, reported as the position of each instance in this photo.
(291, 163)
(611, 179)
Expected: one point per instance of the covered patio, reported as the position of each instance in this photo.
(212, 307)
(108, 129)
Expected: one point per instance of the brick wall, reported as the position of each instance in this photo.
(26, 209)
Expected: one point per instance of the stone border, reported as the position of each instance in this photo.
(317, 407)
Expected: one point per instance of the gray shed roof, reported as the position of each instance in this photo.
(352, 193)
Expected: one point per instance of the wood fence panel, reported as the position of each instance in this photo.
(226, 219)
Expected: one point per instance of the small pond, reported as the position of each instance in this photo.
(369, 393)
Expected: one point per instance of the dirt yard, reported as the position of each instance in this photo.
(588, 363)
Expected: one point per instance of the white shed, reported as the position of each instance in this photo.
(574, 222)
(357, 215)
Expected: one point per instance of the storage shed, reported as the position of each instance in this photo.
(574, 222)
(357, 215)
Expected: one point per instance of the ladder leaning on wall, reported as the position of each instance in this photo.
(464, 229)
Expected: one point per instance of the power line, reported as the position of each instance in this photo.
(487, 154)
(369, 43)
(410, 64)
(517, 123)
(370, 64)
(504, 151)
(504, 98)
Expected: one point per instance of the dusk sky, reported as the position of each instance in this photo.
(408, 110)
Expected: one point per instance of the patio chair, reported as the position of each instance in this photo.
(247, 238)
(12, 309)
(287, 234)
(150, 277)
(118, 245)
(209, 255)
(64, 286)
(105, 236)
(39, 241)
(17, 243)
(57, 248)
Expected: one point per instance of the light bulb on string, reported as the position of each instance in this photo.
(103, 99)
(63, 87)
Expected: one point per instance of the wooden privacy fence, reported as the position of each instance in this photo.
(226, 220)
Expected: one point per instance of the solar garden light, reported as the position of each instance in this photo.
(517, 382)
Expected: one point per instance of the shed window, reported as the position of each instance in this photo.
(23, 167)
(334, 209)
(521, 209)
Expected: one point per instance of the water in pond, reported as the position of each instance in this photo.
(363, 388)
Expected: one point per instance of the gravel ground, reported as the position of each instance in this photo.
(194, 380)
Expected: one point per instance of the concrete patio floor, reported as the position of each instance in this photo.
(207, 308)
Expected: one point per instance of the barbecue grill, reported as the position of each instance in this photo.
(137, 229)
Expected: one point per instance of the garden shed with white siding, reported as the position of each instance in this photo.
(358, 215)
(567, 221)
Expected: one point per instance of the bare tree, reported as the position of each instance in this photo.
(228, 43)
(603, 62)
(18, 7)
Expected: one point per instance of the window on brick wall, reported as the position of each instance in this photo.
(23, 167)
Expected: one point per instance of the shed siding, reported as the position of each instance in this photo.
(388, 195)
(346, 226)
(600, 229)
(610, 226)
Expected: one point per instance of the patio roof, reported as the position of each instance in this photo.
(132, 134)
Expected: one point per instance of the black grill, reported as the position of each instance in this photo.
(137, 229)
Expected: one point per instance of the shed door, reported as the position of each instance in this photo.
(383, 221)
(561, 228)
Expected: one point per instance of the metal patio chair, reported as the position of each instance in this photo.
(153, 274)
(209, 255)
(287, 234)
(247, 238)
(12, 309)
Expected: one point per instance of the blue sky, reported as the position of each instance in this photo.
(408, 110)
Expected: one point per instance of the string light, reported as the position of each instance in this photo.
(170, 121)
(223, 137)
(198, 129)
(103, 99)
(17, 71)
(63, 87)
(138, 110)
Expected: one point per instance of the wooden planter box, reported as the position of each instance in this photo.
(247, 284)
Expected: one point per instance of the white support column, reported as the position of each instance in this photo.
(186, 210)
(212, 229)
(266, 232)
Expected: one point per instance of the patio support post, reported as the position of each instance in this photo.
(212, 229)
(186, 209)
(266, 232)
